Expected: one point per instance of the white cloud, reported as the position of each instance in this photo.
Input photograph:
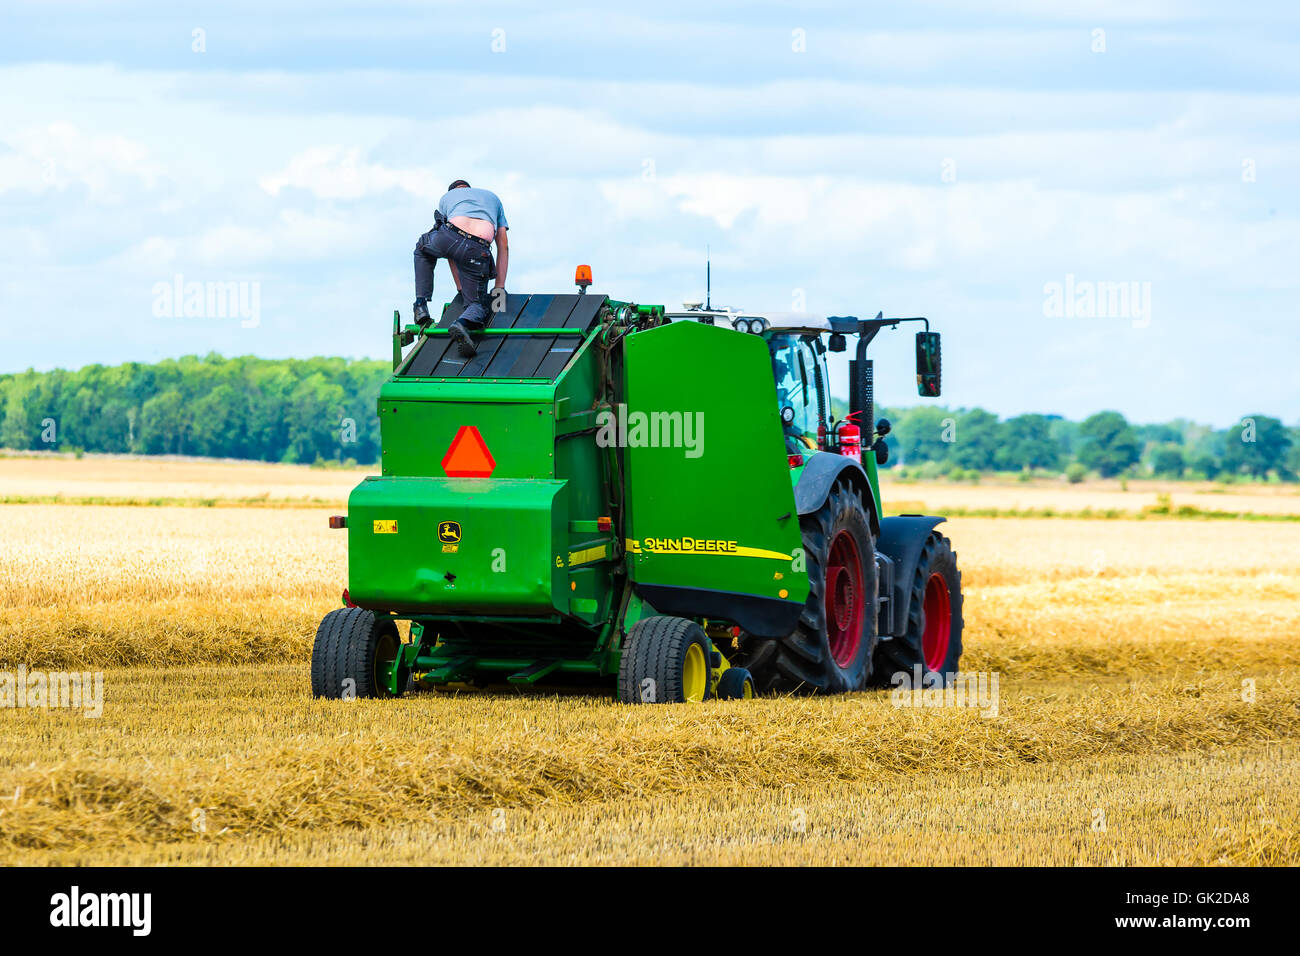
(337, 172)
(153, 253)
(59, 155)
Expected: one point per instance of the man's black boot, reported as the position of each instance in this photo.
(420, 313)
(460, 335)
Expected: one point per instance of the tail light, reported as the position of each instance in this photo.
(604, 524)
(338, 521)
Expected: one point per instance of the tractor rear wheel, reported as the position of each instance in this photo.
(354, 654)
(665, 660)
(934, 622)
(831, 647)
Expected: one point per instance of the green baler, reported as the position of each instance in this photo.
(606, 493)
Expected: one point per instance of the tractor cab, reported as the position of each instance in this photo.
(798, 353)
(798, 343)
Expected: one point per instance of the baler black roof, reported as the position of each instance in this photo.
(510, 356)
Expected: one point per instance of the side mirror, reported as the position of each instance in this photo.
(838, 343)
(881, 450)
(883, 427)
(927, 364)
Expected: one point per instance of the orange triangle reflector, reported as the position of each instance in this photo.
(468, 455)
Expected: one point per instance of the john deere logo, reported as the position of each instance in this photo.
(449, 532)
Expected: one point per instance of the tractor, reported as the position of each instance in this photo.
(614, 495)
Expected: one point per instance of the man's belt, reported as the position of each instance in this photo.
(486, 244)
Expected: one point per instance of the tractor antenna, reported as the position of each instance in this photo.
(708, 279)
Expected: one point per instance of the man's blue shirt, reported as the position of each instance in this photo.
(474, 203)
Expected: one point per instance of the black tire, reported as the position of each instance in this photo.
(803, 662)
(906, 653)
(652, 668)
(736, 683)
(352, 649)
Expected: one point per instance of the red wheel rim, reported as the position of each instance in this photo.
(938, 622)
(845, 598)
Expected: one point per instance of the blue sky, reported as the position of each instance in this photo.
(929, 158)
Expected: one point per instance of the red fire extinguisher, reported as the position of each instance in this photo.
(850, 436)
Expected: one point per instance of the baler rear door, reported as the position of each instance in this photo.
(457, 545)
(712, 529)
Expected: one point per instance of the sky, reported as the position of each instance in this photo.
(1095, 203)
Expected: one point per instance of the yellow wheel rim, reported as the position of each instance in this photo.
(695, 673)
(749, 691)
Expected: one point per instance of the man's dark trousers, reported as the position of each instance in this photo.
(473, 261)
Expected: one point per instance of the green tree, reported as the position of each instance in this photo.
(1167, 460)
(1066, 435)
(220, 423)
(164, 424)
(921, 433)
(977, 440)
(1027, 443)
(315, 414)
(21, 426)
(1108, 443)
(1160, 434)
(1293, 456)
(1257, 445)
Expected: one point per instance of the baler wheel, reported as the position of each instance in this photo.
(353, 655)
(934, 621)
(665, 660)
(735, 684)
(831, 647)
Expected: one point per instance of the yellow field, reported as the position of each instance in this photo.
(238, 765)
(1149, 713)
(940, 497)
(41, 476)
(133, 476)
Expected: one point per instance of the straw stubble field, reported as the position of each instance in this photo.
(1149, 713)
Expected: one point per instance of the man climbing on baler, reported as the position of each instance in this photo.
(466, 223)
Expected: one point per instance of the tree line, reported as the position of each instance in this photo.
(324, 409)
(933, 440)
(291, 410)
